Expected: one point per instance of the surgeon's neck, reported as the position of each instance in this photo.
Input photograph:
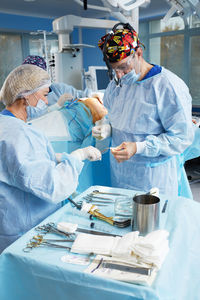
(145, 68)
(18, 109)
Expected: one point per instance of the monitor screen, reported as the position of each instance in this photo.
(97, 78)
(102, 79)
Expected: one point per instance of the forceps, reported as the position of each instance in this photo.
(51, 228)
(92, 198)
(38, 240)
(93, 202)
(96, 192)
(100, 201)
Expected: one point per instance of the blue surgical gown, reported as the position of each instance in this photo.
(58, 89)
(32, 183)
(156, 110)
(191, 152)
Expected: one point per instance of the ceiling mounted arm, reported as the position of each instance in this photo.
(119, 5)
(183, 8)
(129, 5)
(85, 4)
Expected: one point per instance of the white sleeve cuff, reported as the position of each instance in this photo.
(103, 121)
(140, 147)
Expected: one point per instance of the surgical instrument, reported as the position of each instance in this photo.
(36, 244)
(40, 228)
(95, 212)
(107, 193)
(109, 264)
(92, 201)
(121, 223)
(39, 237)
(90, 231)
(164, 206)
(99, 198)
(125, 268)
(51, 228)
(71, 103)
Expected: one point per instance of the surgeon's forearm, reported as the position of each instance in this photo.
(164, 144)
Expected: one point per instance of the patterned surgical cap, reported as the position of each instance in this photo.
(120, 44)
(35, 60)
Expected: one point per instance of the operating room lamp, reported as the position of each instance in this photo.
(183, 8)
(122, 10)
(68, 62)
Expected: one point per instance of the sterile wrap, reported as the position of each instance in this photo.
(67, 227)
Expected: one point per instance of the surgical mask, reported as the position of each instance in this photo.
(130, 78)
(36, 111)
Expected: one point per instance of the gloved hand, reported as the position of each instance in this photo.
(91, 153)
(61, 101)
(101, 132)
(124, 151)
(63, 98)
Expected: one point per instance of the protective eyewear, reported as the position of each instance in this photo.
(125, 66)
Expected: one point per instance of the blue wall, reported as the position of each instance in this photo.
(23, 24)
(92, 56)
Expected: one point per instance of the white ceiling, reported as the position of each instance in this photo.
(57, 8)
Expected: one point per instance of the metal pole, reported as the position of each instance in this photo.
(45, 50)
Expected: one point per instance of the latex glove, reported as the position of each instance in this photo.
(91, 153)
(58, 157)
(124, 151)
(101, 132)
(63, 98)
(61, 101)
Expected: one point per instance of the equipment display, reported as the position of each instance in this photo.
(96, 78)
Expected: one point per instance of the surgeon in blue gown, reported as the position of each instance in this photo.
(33, 179)
(149, 111)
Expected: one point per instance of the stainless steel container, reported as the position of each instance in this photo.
(146, 213)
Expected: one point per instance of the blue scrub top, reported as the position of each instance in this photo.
(155, 70)
(7, 113)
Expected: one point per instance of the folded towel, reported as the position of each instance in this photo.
(122, 248)
(150, 250)
(88, 243)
